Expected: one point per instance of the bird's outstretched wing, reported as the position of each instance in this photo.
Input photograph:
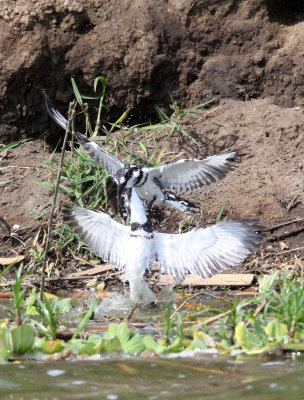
(184, 176)
(201, 252)
(106, 237)
(204, 251)
(96, 152)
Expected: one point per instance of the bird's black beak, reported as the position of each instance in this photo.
(121, 188)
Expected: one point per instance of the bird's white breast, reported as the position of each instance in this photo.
(139, 255)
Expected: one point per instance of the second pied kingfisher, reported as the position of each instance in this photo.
(154, 184)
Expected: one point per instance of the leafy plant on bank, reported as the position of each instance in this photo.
(273, 318)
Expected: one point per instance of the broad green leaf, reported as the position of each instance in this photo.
(134, 345)
(197, 344)
(121, 331)
(22, 339)
(88, 348)
(240, 333)
(266, 282)
(110, 345)
(76, 345)
(4, 354)
(176, 346)
(52, 346)
(150, 343)
(63, 305)
(276, 330)
(260, 331)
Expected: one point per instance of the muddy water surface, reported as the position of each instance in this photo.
(154, 379)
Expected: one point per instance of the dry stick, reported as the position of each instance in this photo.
(258, 309)
(284, 252)
(292, 328)
(202, 291)
(73, 130)
(186, 301)
(4, 223)
(54, 202)
(285, 235)
(216, 317)
(131, 313)
(272, 228)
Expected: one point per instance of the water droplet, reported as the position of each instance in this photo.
(273, 385)
(55, 372)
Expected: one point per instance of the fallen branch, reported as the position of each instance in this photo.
(278, 226)
(285, 235)
(216, 317)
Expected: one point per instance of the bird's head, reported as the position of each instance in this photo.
(126, 178)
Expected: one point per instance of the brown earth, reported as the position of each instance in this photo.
(241, 49)
(248, 51)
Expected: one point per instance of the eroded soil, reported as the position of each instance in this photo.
(249, 52)
(266, 183)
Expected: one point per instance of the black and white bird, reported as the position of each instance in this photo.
(153, 184)
(135, 248)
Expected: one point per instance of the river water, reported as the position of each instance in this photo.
(204, 377)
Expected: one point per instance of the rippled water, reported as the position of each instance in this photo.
(154, 379)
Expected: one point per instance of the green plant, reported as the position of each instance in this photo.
(19, 294)
(173, 330)
(174, 121)
(50, 311)
(86, 318)
(288, 305)
(13, 144)
(15, 341)
(84, 106)
(220, 213)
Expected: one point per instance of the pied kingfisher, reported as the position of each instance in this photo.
(152, 184)
(135, 248)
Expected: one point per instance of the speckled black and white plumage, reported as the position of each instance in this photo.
(152, 184)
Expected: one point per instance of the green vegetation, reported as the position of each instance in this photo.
(274, 318)
(88, 183)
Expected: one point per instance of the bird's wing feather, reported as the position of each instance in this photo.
(184, 176)
(204, 251)
(106, 237)
(111, 163)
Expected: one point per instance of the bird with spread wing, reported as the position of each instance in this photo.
(135, 248)
(154, 184)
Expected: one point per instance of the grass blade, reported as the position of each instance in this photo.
(14, 144)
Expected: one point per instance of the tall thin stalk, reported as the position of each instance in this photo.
(70, 116)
